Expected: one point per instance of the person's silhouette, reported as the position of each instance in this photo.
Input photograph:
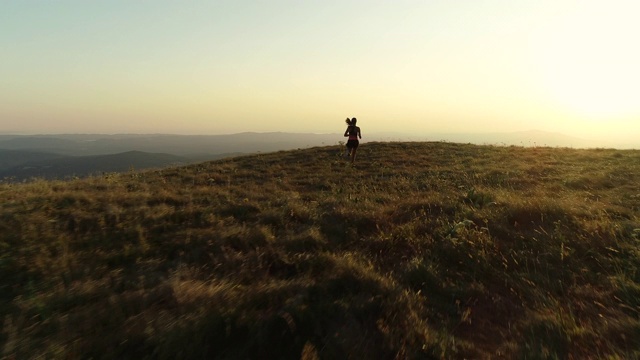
(353, 133)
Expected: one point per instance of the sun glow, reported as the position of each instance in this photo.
(590, 63)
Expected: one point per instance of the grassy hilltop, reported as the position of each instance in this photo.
(423, 250)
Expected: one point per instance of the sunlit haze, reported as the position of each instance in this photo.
(419, 67)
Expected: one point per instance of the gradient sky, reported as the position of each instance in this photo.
(215, 67)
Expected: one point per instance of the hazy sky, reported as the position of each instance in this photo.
(212, 67)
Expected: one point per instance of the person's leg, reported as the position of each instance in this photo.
(350, 147)
(353, 154)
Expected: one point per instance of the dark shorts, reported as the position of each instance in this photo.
(352, 144)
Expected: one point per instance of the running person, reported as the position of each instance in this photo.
(353, 132)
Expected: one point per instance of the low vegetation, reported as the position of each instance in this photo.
(423, 250)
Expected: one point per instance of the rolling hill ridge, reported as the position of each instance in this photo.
(422, 250)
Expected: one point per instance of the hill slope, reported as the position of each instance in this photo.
(424, 250)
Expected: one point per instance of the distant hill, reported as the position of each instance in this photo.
(13, 158)
(65, 155)
(51, 166)
(531, 138)
(46, 155)
(181, 145)
(209, 147)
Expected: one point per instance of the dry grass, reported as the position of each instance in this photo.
(424, 250)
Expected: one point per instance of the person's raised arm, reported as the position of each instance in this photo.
(346, 132)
